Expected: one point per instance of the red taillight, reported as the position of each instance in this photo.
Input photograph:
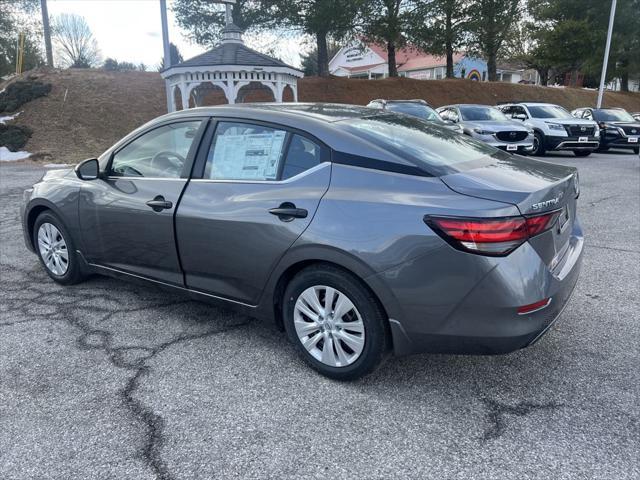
(490, 236)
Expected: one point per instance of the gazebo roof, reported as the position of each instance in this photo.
(232, 54)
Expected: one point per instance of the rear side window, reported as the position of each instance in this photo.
(242, 151)
(302, 155)
(245, 151)
(421, 142)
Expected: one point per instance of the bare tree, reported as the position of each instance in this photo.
(76, 44)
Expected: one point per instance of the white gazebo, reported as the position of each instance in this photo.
(231, 67)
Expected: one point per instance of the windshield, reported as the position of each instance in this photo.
(423, 143)
(480, 113)
(548, 111)
(612, 116)
(416, 109)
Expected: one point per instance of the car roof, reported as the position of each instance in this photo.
(415, 100)
(325, 112)
(466, 105)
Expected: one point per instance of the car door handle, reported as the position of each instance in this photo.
(159, 203)
(287, 211)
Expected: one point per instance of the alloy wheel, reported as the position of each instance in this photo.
(53, 249)
(329, 326)
(536, 145)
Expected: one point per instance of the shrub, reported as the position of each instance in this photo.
(21, 92)
(13, 137)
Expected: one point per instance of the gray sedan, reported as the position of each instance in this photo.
(489, 125)
(356, 231)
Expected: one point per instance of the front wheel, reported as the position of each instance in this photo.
(336, 323)
(582, 153)
(56, 250)
(538, 145)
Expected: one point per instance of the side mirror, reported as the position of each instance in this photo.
(449, 121)
(88, 169)
(520, 116)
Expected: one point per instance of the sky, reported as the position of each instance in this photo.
(130, 30)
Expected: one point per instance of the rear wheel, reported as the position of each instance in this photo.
(582, 153)
(56, 250)
(636, 150)
(538, 145)
(335, 322)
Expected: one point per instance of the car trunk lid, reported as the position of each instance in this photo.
(534, 187)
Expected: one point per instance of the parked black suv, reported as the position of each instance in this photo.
(618, 128)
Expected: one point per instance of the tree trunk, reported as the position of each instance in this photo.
(47, 32)
(449, 45)
(574, 78)
(323, 54)
(391, 59)
(492, 68)
(544, 76)
(624, 81)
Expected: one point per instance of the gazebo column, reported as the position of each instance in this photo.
(279, 89)
(230, 91)
(184, 93)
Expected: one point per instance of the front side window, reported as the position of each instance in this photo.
(520, 111)
(243, 151)
(160, 153)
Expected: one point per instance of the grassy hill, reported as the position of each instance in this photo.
(88, 110)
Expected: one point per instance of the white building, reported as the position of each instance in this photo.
(358, 60)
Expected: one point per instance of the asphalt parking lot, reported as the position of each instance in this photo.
(108, 379)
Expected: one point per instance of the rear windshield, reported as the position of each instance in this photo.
(481, 113)
(612, 116)
(417, 110)
(548, 111)
(436, 149)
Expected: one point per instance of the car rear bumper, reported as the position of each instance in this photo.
(485, 319)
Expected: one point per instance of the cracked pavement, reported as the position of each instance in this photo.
(109, 379)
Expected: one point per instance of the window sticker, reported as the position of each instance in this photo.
(252, 156)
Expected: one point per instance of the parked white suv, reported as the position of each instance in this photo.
(555, 128)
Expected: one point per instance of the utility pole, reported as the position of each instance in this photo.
(167, 50)
(606, 54)
(47, 32)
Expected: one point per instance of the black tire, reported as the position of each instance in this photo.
(376, 334)
(636, 150)
(73, 273)
(582, 153)
(602, 149)
(538, 145)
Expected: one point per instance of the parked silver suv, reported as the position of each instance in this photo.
(489, 125)
(554, 128)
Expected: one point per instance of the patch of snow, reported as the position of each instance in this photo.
(10, 117)
(7, 156)
(57, 165)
